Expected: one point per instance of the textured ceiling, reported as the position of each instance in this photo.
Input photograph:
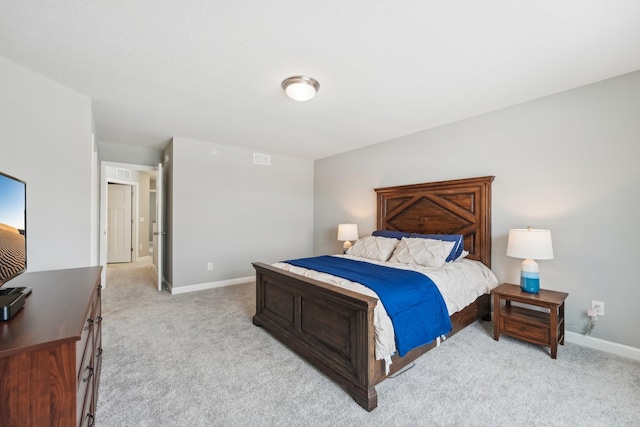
(211, 70)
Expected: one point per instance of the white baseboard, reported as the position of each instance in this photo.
(211, 285)
(599, 344)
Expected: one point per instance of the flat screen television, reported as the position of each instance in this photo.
(13, 227)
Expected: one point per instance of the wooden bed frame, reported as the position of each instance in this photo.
(332, 328)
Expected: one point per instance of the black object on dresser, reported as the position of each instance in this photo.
(11, 301)
(51, 350)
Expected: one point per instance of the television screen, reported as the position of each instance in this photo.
(13, 240)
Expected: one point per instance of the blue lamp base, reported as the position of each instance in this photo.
(530, 282)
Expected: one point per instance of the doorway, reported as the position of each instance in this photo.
(126, 204)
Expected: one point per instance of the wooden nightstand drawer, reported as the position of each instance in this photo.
(525, 324)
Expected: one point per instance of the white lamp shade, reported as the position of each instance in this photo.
(529, 243)
(347, 232)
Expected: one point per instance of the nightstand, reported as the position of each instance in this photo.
(537, 327)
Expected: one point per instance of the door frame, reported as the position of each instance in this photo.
(104, 181)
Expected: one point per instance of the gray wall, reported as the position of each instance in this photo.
(228, 211)
(46, 141)
(133, 154)
(568, 162)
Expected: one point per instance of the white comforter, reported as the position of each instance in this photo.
(460, 283)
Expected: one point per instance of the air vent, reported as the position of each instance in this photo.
(261, 159)
(123, 173)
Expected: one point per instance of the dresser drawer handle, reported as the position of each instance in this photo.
(99, 319)
(90, 321)
(85, 379)
(92, 420)
(99, 351)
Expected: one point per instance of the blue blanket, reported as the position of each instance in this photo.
(412, 301)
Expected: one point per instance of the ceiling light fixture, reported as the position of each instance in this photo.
(300, 88)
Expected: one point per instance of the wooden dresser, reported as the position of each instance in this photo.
(50, 351)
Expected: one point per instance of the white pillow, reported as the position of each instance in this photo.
(373, 247)
(426, 252)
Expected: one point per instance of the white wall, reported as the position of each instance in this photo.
(568, 162)
(228, 211)
(45, 140)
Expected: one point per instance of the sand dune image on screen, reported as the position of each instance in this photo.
(11, 251)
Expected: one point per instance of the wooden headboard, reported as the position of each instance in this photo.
(461, 206)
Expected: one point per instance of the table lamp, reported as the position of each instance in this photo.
(530, 244)
(346, 233)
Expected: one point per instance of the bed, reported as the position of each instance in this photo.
(333, 328)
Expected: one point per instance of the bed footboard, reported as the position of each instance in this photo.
(330, 327)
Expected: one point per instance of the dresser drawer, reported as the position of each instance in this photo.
(85, 387)
(84, 343)
(85, 400)
(97, 362)
(86, 361)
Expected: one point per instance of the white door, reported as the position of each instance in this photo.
(119, 223)
(158, 232)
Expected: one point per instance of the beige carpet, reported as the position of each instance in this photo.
(197, 360)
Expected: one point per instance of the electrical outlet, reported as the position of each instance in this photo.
(209, 266)
(598, 306)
